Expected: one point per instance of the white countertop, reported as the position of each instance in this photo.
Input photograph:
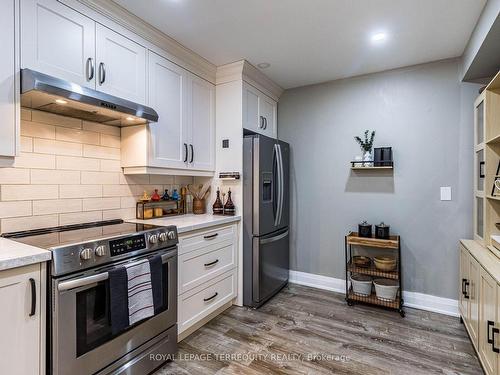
(187, 223)
(14, 254)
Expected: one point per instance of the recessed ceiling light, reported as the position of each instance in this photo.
(378, 37)
(263, 65)
(61, 101)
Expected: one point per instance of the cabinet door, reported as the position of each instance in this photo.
(201, 111)
(487, 319)
(8, 110)
(473, 293)
(268, 112)
(20, 342)
(251, 116)
(167, 95)
(58, 41)
(121, 66)
(464, 277)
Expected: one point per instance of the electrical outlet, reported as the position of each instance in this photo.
(446, 193)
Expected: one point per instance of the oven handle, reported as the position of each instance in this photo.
(71, 284)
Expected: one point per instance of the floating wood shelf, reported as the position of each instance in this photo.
(370, 168)
(493, 140)
(372, 271)
(494, 198)
(391, 243)
(373, 300)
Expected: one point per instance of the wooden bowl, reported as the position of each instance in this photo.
(385, 263)
(361, 261)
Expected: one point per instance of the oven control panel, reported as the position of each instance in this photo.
(127, 245)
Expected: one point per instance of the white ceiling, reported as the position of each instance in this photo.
(311, 41)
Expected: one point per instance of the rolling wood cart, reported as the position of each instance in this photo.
(394, 243)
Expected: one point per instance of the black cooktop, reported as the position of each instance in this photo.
(53, 237)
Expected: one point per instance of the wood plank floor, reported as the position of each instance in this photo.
(309, 331)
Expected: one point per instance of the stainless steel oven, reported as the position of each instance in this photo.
(81, 337)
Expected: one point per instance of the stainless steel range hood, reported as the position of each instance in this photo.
(45, 93)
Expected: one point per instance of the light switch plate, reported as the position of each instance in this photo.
(446, 193)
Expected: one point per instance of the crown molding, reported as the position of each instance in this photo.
(181, 55)
(243, 70)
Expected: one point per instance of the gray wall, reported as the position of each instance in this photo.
(425, 114)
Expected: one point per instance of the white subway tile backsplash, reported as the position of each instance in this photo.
(101, 152)
(56, 206)
(110, 141)
(101, 128)
(14, 176)
(103, 178)
(53, 119)
(80, 191)
(26, 144)
(80, 217)
(28, 222)
(69, 172)
(77, 163)
(110, 166)
(31, 160)
(15, 209)
(51, 146)
(35, 129)
(40, 176)
(95, 204)
(76, 135)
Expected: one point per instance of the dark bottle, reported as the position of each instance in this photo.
(165, 196)
(229, 208)
(217, 207)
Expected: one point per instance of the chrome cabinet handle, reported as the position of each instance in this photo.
(192, 153)
(261, 124)
(33, 297)
(495, 349)
(102, 73)
(211, 263)
(90, 69)
(185, 152)
(211, 298)
(211, 236)
(265, 123)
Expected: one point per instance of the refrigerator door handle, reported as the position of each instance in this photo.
(282, 189)
(274, 239)
(278, 178)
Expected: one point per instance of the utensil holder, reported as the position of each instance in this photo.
(198, 206)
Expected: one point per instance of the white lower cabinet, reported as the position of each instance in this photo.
(207, 275)
(21, 343)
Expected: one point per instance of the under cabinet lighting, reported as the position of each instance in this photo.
(61, 101)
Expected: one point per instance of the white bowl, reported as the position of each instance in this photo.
(361, 285)
(386, 289)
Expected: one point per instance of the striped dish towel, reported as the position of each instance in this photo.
(140, 294)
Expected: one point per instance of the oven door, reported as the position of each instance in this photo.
(82, 340)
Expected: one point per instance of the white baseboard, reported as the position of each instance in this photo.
(415, 300)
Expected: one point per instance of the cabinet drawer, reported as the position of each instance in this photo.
(209, 237)
(199, 266)
(203, 300)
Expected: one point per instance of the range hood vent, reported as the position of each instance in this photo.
(45, 93)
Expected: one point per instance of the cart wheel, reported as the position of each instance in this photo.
(350, 303)
(402, 313)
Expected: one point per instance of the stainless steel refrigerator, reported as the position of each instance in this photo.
(266, 205)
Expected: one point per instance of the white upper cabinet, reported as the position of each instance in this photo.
(259, 111)
(57, 41)
(167, 95)
(121, 66)
(183, 139)
(202, 124)
(9, 113)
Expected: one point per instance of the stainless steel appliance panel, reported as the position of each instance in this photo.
(67, 320)
(270, 264)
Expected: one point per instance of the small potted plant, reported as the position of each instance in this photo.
(366, 145)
